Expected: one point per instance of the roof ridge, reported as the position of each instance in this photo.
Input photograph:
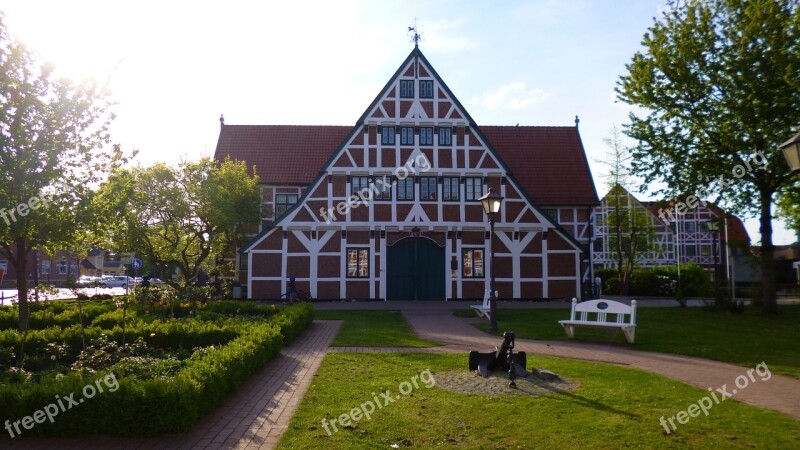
(285, 125)
(528, 126)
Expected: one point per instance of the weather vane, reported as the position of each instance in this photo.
(416, 37)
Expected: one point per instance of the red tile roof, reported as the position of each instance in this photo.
(549, 162)
(736, 229)
(282, 154)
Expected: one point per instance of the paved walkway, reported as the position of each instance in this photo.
(253, 418)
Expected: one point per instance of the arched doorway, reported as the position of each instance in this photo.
(415, 270)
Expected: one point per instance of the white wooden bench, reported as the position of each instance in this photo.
(596, 313)
(483, 309)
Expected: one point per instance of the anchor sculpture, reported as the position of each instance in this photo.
(503, 359)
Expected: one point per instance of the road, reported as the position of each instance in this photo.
(9, 295)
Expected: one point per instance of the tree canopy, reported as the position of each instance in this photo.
(54, 145)
(718, 82)
(184, 217)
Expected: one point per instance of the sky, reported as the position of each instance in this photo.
(174, 66)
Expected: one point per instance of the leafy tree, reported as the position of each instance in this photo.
(630, 232)
(789, 208)
(628, 225)
(54, 145)
(186, 217)
(719, 81)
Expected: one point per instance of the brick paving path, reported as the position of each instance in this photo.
(254, 417)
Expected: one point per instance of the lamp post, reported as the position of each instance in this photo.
(713, 227)
(791, 151)
(491, 205)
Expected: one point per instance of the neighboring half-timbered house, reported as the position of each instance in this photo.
(683, 236)
(388, 208)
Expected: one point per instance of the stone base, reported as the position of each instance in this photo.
(545, 375)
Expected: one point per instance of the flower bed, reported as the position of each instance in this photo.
(169, 372)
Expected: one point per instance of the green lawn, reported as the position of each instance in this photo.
(745, 339)
(373, 329)
(614, 407)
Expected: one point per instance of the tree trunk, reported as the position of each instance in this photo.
(767, 255)
(20, 262)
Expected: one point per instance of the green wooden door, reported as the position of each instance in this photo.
(415, 270)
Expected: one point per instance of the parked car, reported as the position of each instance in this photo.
(87, 281)
(118, 281)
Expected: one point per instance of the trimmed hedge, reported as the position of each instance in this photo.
(146, 408)
(695, 281)
(57, 313)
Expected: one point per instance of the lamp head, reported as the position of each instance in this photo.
(491, 202)
(791, 151)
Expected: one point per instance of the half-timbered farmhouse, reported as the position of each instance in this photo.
(683, 234)
(388, 209)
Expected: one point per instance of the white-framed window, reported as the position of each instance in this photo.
(45, 267)
(426, 136)
(445, 136)
(451, 188)
(383, 188)
(387, 136)
(428, 188)
(283, 202)
(358, 183)
(406, 88)
(405, 188)
(425, 88)
(472, 262)
(473, 188)
(357, 262)
(406, 135)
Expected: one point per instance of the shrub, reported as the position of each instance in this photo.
(180, 391)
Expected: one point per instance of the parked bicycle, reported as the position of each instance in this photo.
(302, 297)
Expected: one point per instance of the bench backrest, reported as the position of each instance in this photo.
(599, 310)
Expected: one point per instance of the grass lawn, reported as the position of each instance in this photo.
(373, 329)
(614, 407)
(745, 339)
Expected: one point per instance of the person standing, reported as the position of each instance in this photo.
(292, 290)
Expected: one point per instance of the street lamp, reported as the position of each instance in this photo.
(791, 151)
(713, 226)
(491, 205)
